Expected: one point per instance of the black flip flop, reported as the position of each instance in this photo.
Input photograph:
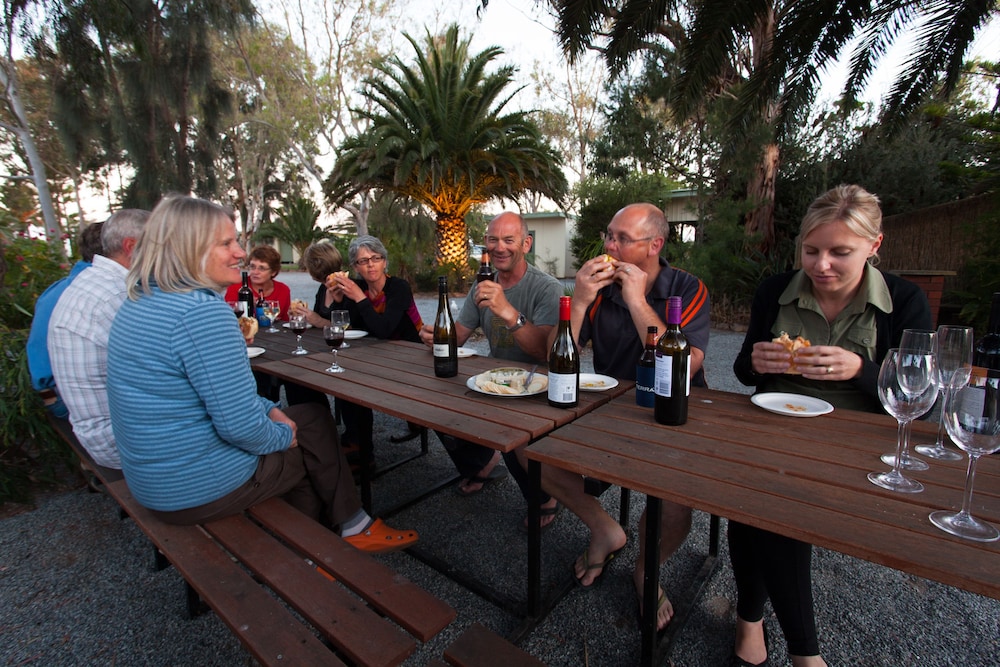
(498, 473)
(543, 512)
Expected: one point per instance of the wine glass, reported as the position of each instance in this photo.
(921, 340)
(272, 309)
(972, 417)
(953, 356)
(297, 323)
(334, 335)
(906, 390)
(342, 319)
(237, 307)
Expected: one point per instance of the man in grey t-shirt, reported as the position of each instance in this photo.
(516, 313)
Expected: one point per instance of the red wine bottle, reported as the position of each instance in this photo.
(445, 335)
(673, 366)
(564, 362)
(645, 371)
(244, 297)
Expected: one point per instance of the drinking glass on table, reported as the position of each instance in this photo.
(907, 390)
(972, 417)
(921, 340)
(297, 323)
(953, 358)
(237, 308)
(334, 335)
(272, 309)
(342, 319)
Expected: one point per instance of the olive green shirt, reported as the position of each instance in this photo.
(853, 329)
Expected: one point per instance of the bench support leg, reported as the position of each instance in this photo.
(195, 605)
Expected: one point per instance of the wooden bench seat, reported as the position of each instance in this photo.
(252, 570)
(479, 646)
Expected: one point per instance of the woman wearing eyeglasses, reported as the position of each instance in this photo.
(383, 306)
(263, 265)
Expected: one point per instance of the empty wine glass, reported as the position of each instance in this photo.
(342, 319)
(953, 358)
(906, 390)
(919, 340)
(297, 323)
(972, 417)
(272, 309)
(334, 335)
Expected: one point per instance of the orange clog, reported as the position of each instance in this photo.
(379, 537)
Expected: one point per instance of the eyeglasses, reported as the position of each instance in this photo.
(621, 241)
(259, 267)
(368, 260)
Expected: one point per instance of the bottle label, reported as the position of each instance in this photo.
(645, 380)
(663, 382)
(441, 350)
(562, 387)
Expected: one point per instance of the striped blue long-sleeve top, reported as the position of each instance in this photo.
(184, 406)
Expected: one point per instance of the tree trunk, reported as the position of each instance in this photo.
(760, 191)
(452, 240)
(8, 78)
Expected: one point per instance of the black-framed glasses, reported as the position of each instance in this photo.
(621, 241)
(368, 260)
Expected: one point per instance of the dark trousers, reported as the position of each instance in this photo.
(469, 458)
(313, 477)
(269, 387)
(768, 565)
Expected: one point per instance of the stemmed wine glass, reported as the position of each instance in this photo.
(237, 307)
(297, 323)
(972, 417)
(953, 356)
(922, 341)
(342, 319)
(271, 311)
(334, 335)
(906, 390)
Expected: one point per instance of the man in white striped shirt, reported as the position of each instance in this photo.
(78, 338)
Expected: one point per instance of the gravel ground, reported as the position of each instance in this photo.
(79, 586)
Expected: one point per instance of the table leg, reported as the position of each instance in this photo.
(651, 581)
(534, 541)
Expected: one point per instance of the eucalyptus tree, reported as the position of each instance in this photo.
(439, 133)
(151, 63)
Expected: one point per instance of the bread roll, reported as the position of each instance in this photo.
(248, 327)
(793, 345)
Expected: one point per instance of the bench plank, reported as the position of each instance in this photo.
(420, 613)
(360, 633)
(480, 647)
(261, 623)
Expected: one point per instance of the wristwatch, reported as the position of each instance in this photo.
(520, 322)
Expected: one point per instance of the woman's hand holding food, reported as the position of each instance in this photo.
(828, 362)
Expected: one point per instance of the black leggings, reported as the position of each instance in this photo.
(768, 565)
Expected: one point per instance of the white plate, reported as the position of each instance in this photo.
(464, 352)
(471, 384)
(793, 405)
(255, 351)
(596, 382)
(351, 334)
(288, 325)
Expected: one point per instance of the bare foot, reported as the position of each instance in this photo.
(750, 646)
(590, 564)
(664, 610)
(468, 487)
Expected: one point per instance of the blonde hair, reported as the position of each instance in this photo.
(851, 204)
(173, 249)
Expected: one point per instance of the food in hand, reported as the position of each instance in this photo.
(793, 345)
(248, 327)
(298, 304)
(510, 381)
(332, 278)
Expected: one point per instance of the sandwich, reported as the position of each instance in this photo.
(793, 345)
(248, 327)
(331, 280)
(298, 304)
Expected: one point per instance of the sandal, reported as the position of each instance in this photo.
(587, 566)
(542, 512)
(498, 473)
(379, 537)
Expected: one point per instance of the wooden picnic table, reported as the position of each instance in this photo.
(805, 478)
(397, 378)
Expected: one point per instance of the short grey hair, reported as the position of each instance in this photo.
(370, 242)
(124, 224)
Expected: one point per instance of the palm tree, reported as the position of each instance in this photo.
(770, 55)
(438, 134)
(296, 226)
